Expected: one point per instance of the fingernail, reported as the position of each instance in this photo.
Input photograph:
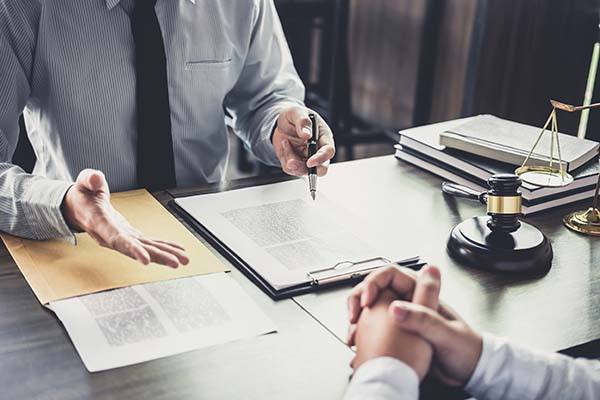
(433, 271)
(431, 278)
(307, 131)
(400, 313)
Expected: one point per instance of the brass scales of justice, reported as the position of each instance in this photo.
(583, 221)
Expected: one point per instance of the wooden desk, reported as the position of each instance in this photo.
(38, 360)
(555, 312)
(304, 360)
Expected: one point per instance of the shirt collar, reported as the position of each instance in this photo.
(111, 3)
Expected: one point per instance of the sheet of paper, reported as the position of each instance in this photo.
(279, 231)
(57, 270)
(139, 323)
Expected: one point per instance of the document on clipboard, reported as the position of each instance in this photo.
(289, 242)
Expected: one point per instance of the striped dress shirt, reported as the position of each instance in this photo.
(69, 67)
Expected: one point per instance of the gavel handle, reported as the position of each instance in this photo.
(464, 192)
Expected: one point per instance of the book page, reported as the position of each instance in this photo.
(139, 323)
(282, 233)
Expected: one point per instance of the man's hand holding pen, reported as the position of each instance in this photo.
(291, 138)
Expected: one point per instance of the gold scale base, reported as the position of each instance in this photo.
(584, 221)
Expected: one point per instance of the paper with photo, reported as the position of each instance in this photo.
(140, 323)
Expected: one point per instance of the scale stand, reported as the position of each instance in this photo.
(586, 221)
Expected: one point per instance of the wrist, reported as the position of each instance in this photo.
(68, 210)
(384, 377)
(473, 356)
(415, 352)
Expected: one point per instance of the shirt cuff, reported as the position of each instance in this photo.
(41, 202)
(384, 378)
(505, 371)
(264, 149)
(487, 351)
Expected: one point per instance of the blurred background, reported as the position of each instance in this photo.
(373, 67)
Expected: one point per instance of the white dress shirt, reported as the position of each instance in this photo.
(69, 65)
(505, 371)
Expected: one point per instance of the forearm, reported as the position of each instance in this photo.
(383, 378)
(30, 206)
(267, 85)
(507, 371)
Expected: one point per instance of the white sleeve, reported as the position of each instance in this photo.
(508, 371)
(383, 378)
(267, 85)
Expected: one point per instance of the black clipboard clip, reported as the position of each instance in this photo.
(355, 270)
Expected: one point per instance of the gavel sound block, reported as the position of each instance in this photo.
(499, 241)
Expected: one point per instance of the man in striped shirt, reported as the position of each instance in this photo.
(139, 93)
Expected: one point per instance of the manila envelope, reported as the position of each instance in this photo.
(56, 269)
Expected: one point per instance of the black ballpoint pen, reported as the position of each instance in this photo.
(312, 150)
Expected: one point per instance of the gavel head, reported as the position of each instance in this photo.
(504, 203)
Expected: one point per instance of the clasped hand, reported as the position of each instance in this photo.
(396, 313)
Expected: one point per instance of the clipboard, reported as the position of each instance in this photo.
(319, 280)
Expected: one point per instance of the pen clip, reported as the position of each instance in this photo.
(314, 129)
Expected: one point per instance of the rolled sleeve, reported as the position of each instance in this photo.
(383, 378)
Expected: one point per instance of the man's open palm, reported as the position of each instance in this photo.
(87, 208)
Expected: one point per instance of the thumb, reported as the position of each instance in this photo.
(427, 288)
(93, 180)
(422, 321)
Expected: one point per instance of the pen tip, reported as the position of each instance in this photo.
(313, 195)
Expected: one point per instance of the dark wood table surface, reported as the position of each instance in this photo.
(306, 359)
(555, 312)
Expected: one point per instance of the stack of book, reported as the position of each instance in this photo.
(469, 151)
